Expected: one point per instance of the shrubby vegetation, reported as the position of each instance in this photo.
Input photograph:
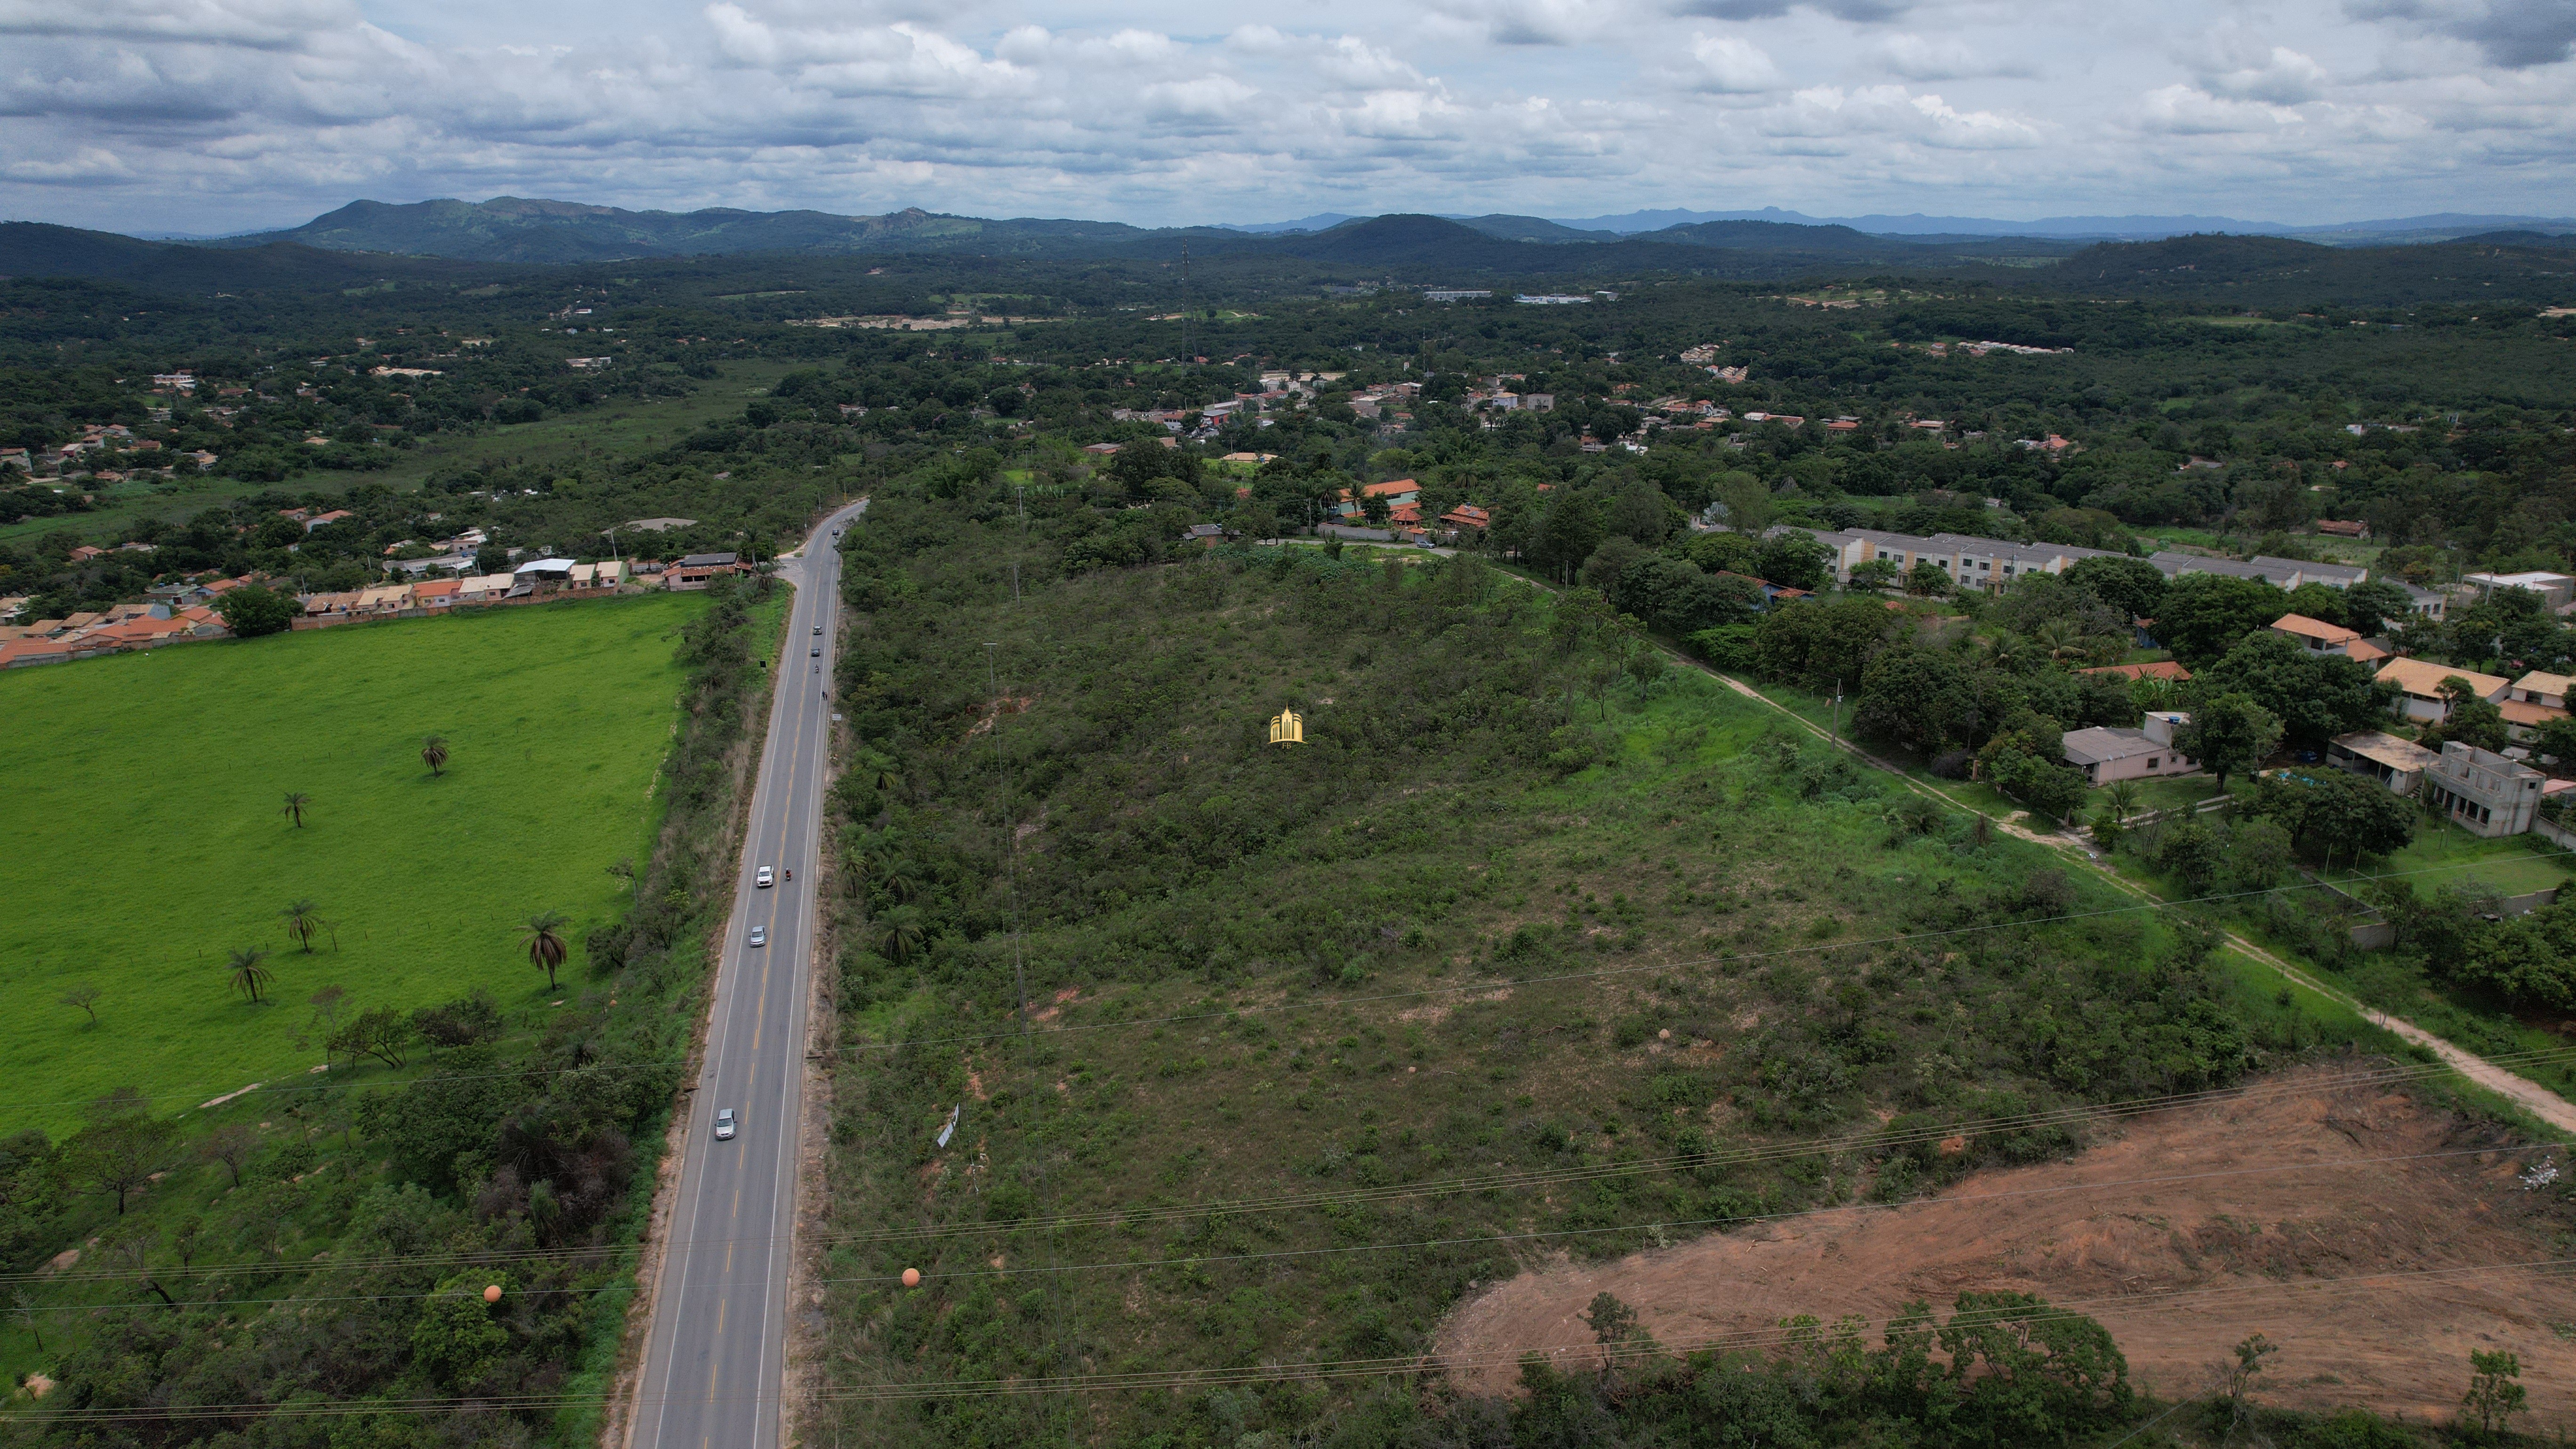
(1491, 798)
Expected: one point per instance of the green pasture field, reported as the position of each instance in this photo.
(141, 795)
(2443, 854)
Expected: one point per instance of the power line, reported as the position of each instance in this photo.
(1746, 1220)
(1321, 1369)
(1732, 1157)
(1325, 1003)
(1739, 958)
(1535, 1178)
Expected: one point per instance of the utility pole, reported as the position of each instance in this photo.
(1835, 736)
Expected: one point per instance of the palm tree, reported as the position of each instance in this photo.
(304, 922)
(433, 753)
(2124, 797)
(249, 977)
(546, 948)
(897, 879)
(293, 810)
(899, 934)
(2061, 639)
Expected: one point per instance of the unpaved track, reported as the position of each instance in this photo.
(2538, 1100)
(2259, 1248)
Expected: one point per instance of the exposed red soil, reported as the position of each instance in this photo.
(2247, 1246)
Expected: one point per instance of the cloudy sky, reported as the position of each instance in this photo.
(224, 115)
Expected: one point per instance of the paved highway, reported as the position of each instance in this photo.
(715, 1357)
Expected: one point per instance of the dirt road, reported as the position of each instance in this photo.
(2539, 1101)
(2371, 1274)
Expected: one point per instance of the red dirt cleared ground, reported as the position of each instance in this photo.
(2259, 1204)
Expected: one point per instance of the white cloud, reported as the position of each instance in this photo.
(1945, 58)
(2511, 33)
(2234, 62)
(249, 112)
(1729, 63)
(2185, 111)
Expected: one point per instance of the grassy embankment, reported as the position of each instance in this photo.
(1435, 941)
(144, 793)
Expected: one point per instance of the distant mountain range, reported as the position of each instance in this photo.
(369, 241)
(2442, 226)
(518, 230)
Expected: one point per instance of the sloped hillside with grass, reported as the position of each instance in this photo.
(1525, 952)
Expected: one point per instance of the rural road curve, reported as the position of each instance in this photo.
(715, 1354)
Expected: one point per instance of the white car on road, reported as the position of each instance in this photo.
(764, 879)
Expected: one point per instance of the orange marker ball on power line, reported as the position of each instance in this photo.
(912, 1277)
(492, 1294)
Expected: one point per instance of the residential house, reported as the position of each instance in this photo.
(2395, 763)
(436, 594)
(2319, 637)
(1207, 535)
(486, 588)
(1393, 491)
(2532, 702)
(2159, 669)
(2106, 754)
(2284, 573)
(325, 520)
(383, 599)
(1467, 515)
(30, 649)
(1986, 563)
(2419, 686)
(1771, 593)
(694, 571)
(605, 575)
(2483, 792)
(86, 552)
(2343, 528)
(325, 606)
(446, 563)
(2557, 590)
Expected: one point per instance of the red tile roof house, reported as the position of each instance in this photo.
(1468, 515)
(2319, 637)
(86, 552)
(2160, 669)
(1399, 490)
(436, 594)
(18, 653)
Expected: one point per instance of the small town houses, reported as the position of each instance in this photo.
(182, 612)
